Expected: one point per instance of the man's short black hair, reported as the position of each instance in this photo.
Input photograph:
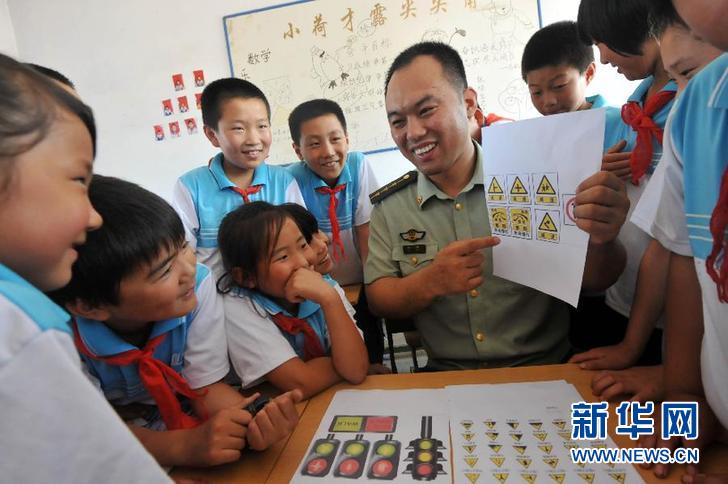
(52, 73)
(137, 227)
(449, 59)
(310, 110)
(664, 15)
(622, 25)
(220, 91)
(554, 45)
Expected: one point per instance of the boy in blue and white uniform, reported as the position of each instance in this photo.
(149, 325)
(336, 184)
(236, 117)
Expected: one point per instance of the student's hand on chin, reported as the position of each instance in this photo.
(275, 421)
(304, 284)
(601, 206)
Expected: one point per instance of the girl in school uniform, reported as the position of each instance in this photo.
(47, 146)
(286, 323)
(620, 30)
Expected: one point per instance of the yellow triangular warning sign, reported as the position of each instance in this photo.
(468, 436)
(529, 477)
(494, 186)
(489, 423)
(540, 435)
(492, 435)
(469, 448)
(501, 477)
(495, 447)
(518, 188)
(558, 476)
(472, 476)
(587, 476)
(467, 424)
(498, 461)
(524, 461)
(545, 187)
(516, 436)
(617, 476)
(547, 224)
(565, 435)
(561, 424)
(551, 461)
(520, 448)
(471, 460)
(546, 448)
(536, 425)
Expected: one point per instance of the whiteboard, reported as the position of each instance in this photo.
(341, 50)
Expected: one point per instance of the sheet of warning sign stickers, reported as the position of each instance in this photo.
(531, 171)
(521, 432)
(463, 434)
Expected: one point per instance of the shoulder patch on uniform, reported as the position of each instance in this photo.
(393, 187)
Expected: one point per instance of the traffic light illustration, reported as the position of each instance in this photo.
(426, 456)
(352, 458)
(319, 460)
(384, 461)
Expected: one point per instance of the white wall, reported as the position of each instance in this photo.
(7, 35)
(121, 55)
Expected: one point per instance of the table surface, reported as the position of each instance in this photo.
(279, 463)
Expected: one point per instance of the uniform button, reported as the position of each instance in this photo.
(414, 260)
(474, 293)
(458, 206)
(480, 336)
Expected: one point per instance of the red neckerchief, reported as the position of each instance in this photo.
(717, 261)
(640, 120)
(246, 192)
(160, 380)
(311, 345)
(335, 231)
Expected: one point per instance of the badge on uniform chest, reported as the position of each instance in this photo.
(413, 235)
(414, 249)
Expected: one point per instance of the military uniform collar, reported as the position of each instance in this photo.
(426, 189)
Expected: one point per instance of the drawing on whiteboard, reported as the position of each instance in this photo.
(515, 98)
(350, 62)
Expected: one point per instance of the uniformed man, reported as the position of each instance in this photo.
(430, 254)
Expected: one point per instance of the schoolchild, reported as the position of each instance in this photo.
(236, 118)
(285, 322)
(683, 55)
(316, 239)
(620, 30)
(336, 184)
(148, 324)
(47, 148)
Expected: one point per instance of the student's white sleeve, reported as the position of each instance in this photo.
(206, 360)
(55, 426)
(367, 184)
(670, 224)
(646, 209)
(349, 308)
(293, 193)
(255, 343)
(185, 208)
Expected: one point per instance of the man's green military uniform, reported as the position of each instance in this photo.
(500, 323)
